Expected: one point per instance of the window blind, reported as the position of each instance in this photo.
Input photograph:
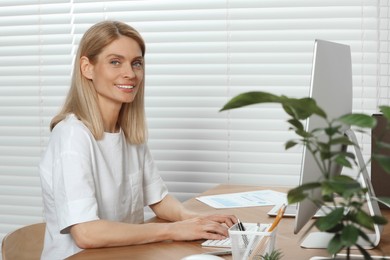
(35, 44)
(199, 54)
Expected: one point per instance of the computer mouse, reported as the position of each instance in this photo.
(202, 257)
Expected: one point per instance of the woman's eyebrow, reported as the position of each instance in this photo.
(138, 58)
(115, 56)
(123, 57)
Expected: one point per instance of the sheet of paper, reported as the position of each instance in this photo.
(244, 199)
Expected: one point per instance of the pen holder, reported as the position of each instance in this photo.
(253, 243)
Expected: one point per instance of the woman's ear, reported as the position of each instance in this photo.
(86, 67)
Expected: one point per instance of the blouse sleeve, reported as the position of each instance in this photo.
(72, 180)
(154, 187)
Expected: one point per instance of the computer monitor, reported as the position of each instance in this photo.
(331, 87)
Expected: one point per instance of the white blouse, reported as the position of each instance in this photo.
(83, 180)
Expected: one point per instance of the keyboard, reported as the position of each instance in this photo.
(218, 243)
(226, 243)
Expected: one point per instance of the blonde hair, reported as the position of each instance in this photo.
(82, 97)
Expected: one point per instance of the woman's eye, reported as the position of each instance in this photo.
(115, 62)
(137, 64)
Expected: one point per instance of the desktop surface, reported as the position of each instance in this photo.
(285, 240)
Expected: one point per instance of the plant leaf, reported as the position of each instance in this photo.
(342, 185)
(250, 98)
(359, 120)
(274, 255)
(299, 193)
(290, 144)
(303, 133)
(296, 123)
(340, 159)
(330, 220)
(341, 140)
(349, 235)
(379, 220)
(301, 108)
(364, 219)
(335, 245)
(386, 111)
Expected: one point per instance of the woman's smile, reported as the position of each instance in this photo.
(126, 88)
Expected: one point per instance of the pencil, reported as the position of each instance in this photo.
(279, 216)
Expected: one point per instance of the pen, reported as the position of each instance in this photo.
(242, 228)
(279, 216)
(240, 225)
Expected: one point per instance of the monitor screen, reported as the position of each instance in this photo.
(331, 87)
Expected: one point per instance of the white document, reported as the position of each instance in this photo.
(244, 199)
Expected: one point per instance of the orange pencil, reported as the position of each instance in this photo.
(279, 216)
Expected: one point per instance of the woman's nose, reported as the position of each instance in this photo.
(128, 71)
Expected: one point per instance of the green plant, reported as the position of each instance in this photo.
(274, 255)
(342, 192)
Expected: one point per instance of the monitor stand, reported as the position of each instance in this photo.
(321, 239)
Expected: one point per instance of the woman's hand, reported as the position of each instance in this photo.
(205, 227)
(229, 220)
(189, 225)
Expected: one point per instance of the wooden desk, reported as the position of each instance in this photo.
(168, 250)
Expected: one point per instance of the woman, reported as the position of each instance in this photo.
(97, 173)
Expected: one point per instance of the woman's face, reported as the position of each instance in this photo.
(117, 74)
